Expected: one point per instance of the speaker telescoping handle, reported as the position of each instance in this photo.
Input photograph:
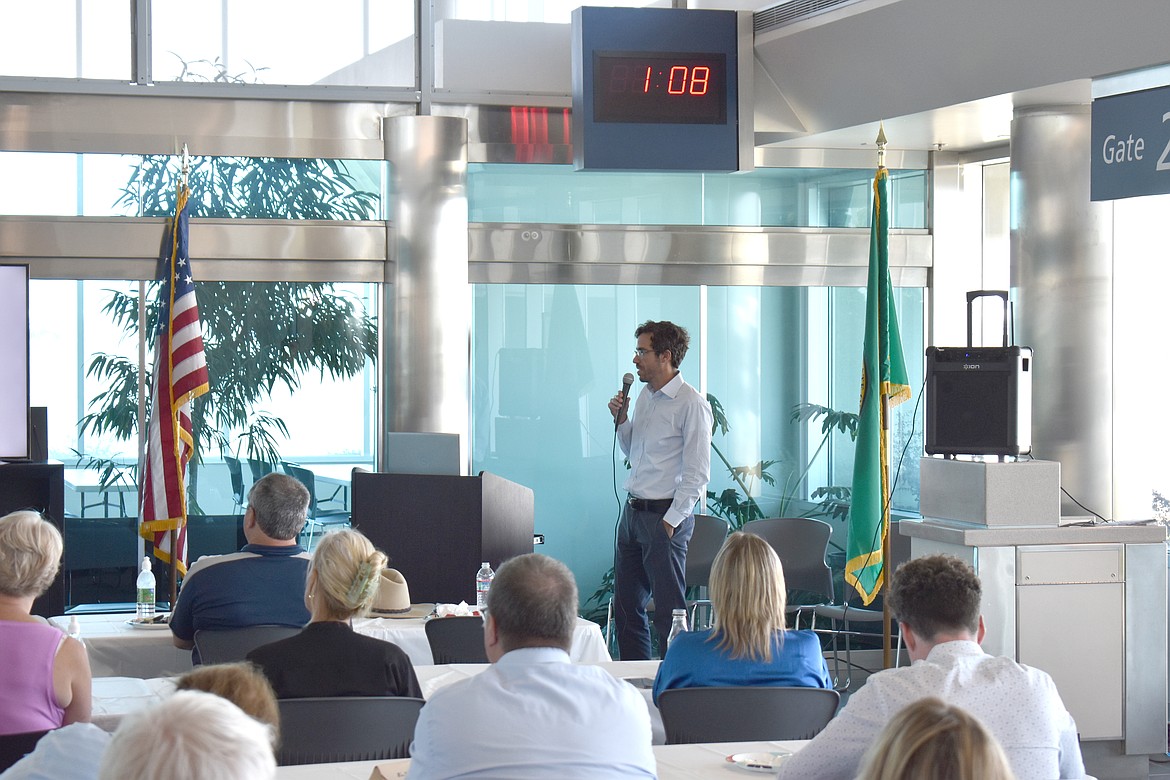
(1002, 294)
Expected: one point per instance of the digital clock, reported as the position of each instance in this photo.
(652, 87)
(661, 89)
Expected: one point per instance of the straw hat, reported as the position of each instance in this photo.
(393, 599)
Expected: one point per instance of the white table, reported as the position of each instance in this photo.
(88, 481)
(431, 678)
(675, 762)
(409, 634)
(116, 697)
(117, 649)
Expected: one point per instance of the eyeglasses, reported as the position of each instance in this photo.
(639, 352)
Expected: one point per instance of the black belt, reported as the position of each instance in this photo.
(659, 505)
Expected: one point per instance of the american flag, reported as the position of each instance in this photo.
(180, 376)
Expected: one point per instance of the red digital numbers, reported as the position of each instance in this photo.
(681, 80)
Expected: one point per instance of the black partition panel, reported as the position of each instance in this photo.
(437, 529)
(38, 486)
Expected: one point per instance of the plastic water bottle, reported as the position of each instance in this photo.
(678, 625)
(483, 583)
(74, 630)
(145, 587)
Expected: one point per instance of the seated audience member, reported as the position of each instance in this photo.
(936, 601)
(263, 582)
(328, 658)
(533, 713)
(240, 683)
(74, 752)
(190, 736)
(748, 644)
(44, 675)
(930, 739)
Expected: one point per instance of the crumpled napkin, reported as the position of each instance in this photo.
(462, 609)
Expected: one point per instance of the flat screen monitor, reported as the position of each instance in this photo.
(14, 438)
(422, 453)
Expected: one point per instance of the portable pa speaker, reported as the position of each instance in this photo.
(978, 400)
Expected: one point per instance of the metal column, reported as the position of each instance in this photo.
(427, 300)
(1061, 271)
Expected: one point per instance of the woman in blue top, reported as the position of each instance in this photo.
(748, 644)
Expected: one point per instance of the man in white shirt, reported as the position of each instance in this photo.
(668, 444)
(533, 714)
(936, 601)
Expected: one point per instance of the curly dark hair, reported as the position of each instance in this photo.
(666, 335)
(936, 594)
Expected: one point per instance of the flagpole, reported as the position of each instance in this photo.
(887, 627)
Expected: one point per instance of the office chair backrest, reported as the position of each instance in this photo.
(745, 714)
(225, 645)
(236, 473)
(456, 640)
(802, 544)
(14, 747)
(709, 535)
(346, 728)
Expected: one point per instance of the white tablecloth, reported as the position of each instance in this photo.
(675, 762)
(115, 697)
(117, 649)
(409, 634)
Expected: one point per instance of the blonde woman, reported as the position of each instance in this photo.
(749, 643)
(328, 658)
(44, 677)
(932, 740)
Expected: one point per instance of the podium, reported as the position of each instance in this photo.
(40, 487)
(437, 529)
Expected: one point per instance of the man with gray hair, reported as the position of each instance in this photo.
(262, 583)
(533, 713)
(189, 736)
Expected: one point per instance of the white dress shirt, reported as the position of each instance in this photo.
(534, 715)
(1019, 705)
(668, 443)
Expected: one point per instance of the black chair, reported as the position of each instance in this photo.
(851, 612)
(346, 728)
(745, 714)
(319, 518)
(707, 539)
(802, 544)
(14, 747)
(260, 468)
(456, 640)
(225, 645)
(236, 473)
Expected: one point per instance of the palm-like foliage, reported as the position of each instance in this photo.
(257, 335)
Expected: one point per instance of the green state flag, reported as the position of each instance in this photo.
(883, 374)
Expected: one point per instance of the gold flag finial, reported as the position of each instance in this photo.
(881, 143)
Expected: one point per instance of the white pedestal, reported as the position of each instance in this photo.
(1018, 493)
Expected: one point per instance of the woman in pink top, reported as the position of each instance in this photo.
(44, 676)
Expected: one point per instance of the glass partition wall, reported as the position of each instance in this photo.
(295, 365)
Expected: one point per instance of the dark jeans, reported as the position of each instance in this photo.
(647, 562)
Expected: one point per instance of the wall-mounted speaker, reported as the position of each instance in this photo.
(978, 401)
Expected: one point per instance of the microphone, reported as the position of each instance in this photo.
(627, 380)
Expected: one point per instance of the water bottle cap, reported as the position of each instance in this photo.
(486, 564)
(145, 563)
(680, 612)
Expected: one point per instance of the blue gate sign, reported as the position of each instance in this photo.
(1131, 145)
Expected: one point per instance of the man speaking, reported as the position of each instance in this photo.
(668, 443)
